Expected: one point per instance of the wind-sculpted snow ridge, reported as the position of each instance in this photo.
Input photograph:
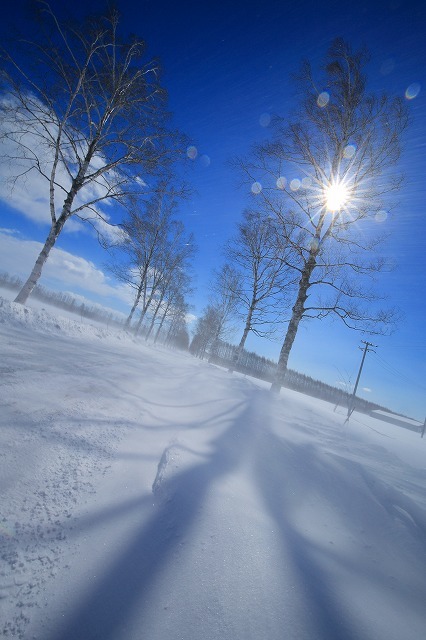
(147, 494)
(169, 460)
(399, 505)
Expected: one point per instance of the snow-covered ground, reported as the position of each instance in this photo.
(147, 495)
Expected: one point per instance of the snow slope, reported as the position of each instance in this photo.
(149, 495)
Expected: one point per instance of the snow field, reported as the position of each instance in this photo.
(146, 494)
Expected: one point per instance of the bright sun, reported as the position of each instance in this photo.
(336, 195)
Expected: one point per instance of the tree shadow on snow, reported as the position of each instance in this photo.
(130, 578)
(289, 475)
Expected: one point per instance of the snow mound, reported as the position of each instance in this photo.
(41, 320)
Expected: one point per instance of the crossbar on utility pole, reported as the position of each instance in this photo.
(351, 404)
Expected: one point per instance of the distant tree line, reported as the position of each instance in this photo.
(251, 364)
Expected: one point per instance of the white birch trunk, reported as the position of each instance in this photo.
(296, 316)
(35, 274)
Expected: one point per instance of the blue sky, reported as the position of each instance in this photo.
(227, 66)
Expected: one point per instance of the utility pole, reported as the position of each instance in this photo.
(351, 404)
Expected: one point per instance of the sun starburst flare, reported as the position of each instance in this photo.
(336, 196)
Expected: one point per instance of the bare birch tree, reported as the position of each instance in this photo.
(325, 176)
(86, 112)
(205, 331)
(146, 228)
(178, 334)
(265, 276)
(214, 325)
(226, 291)
(172, 301)
(170, 269)
(173, 252)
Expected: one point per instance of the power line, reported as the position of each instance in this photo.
(391, 369)
(407, 346)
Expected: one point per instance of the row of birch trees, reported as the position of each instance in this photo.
(307, 247)
(154, 260)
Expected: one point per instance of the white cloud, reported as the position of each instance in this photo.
(11, 232)
(63, 270)
(111, 233)
(367, 390)
(341, 383)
